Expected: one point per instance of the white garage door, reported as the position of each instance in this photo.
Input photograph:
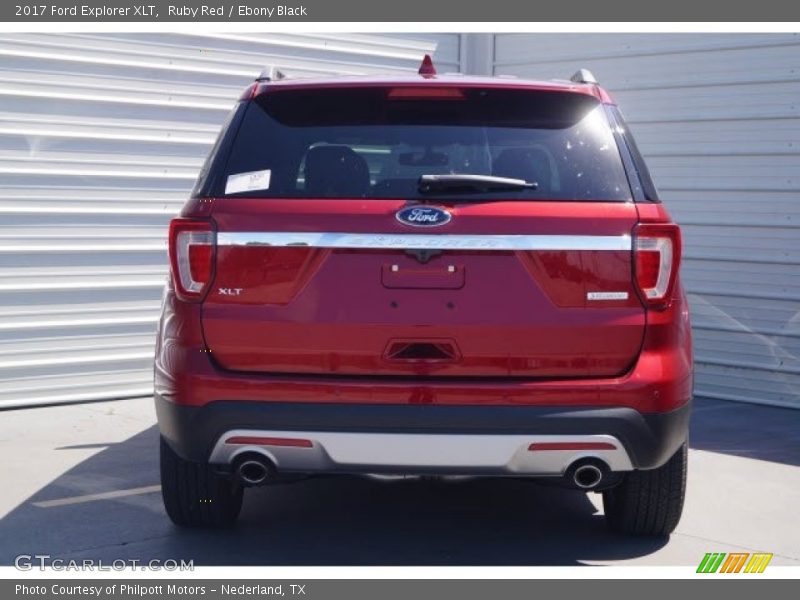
(718, 119)
(100, 139)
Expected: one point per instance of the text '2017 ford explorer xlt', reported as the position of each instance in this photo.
(425, 276)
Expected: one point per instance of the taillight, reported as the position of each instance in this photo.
(425, 93)
(657, 253)
(191, 255)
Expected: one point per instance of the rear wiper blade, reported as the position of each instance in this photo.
(432, 184)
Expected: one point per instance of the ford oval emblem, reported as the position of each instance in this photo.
(423, 216)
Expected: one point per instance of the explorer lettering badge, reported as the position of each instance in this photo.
(423, 216)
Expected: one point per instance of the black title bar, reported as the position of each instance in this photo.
(261, 11)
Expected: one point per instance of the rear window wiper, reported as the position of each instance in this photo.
(433, 184)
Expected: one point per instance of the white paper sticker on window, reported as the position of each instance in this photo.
(247, 182)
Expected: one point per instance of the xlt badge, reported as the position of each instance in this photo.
(230, 291)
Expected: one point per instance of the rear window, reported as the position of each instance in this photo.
(378, 142)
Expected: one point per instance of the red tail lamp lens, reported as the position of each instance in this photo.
(657, 249)
(191, 253)
(200, 262)
(648, 263)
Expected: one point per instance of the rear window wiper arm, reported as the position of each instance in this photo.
(432, 184)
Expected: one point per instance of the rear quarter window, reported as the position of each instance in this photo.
(648, 187)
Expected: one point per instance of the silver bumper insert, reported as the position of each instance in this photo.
(346, 452)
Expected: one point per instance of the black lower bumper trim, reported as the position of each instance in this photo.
(650, 439)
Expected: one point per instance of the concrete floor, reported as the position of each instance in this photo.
(743, 494)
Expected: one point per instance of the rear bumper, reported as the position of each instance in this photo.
(422, 438)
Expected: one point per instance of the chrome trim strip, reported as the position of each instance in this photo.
(360, 452)
(425, 241)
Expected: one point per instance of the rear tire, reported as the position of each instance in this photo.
(649, 502)
(195, 495)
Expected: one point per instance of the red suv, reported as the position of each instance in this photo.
(425, 275)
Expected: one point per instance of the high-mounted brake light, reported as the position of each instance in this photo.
(425, 93)
(191, 255)
(657, 251)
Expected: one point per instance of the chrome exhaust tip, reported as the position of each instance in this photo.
(587, 476)
(254, 471)
(589, 473)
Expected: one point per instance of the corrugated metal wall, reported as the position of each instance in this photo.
(100, 139)
(718, 119)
